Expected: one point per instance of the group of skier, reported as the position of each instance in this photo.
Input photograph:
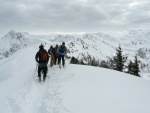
(55, 54)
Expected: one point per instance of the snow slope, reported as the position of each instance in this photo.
(13, 41)
(74, 89)
(103, 45)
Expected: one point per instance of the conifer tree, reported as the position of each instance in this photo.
(136, 67)
(130, 68)
(74, 60)
(117, 62)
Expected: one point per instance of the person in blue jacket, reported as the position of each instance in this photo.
(62, 51)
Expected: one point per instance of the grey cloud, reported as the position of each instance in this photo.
(139, 14)
(72, 15)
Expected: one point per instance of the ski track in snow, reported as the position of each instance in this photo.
(39, 97)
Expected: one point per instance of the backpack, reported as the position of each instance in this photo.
(53, 51)
(62, 49)
(43, 56)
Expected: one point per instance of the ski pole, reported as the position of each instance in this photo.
(35, 70)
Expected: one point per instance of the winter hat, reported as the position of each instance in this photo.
(63, 43)
(41, 46)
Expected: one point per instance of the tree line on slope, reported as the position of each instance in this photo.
(117, 62)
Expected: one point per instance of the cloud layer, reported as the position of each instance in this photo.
(51, 16)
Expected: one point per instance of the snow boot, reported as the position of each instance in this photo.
(44, 78)
(60, 66)
(39, 79)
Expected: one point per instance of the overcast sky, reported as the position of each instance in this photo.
(73, 16)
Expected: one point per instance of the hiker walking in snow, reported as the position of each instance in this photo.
(56, 54)
(51, 51)
(62, 51)
(42, 58)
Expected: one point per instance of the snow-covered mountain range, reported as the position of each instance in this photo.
(98, 45)
(75, 88)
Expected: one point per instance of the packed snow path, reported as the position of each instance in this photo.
(38, 97)
(21, 93)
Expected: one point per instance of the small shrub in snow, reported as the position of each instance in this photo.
(141, 53)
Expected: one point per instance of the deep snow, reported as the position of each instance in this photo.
(73, 89)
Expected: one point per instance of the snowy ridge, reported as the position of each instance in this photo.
(103, 45)
(95, 44)
(14, 41)
(63, 38)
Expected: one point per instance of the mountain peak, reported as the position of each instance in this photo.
(12, 31)
(11, 34)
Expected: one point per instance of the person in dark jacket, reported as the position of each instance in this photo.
(42, 58)
(51, 51)
(62, 51)
(56, 54)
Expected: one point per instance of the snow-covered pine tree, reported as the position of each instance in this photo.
(130, 67)
(136, 67)
(117, 62)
